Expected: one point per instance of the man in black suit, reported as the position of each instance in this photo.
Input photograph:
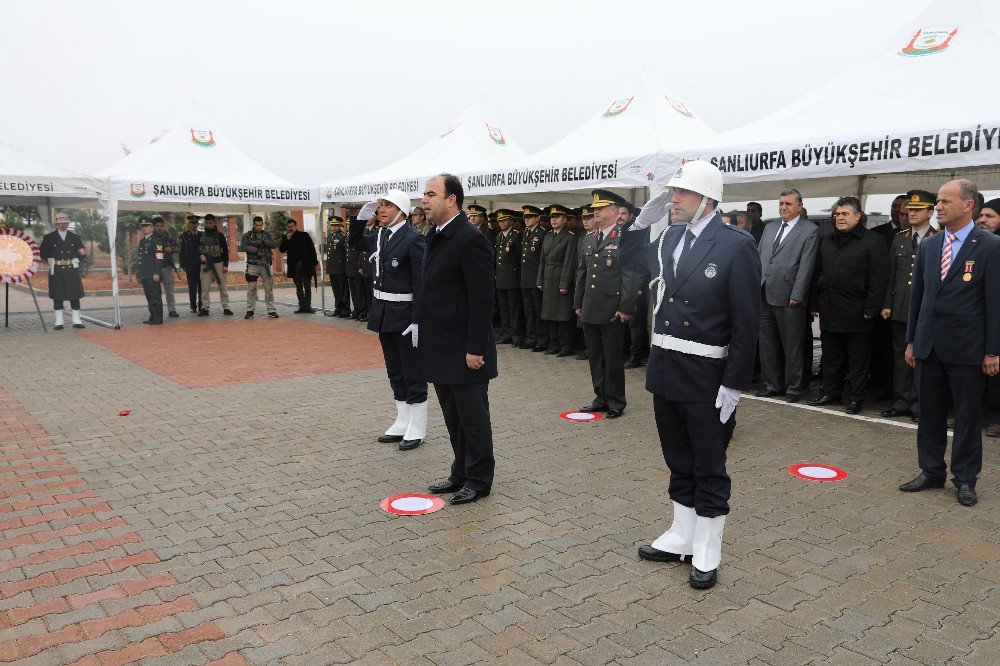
(457, 352)
(301, 263)
(953, 339)
(396, 252)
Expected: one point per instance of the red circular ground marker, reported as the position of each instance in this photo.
(817, 472)
(411, 504)
(581, 417)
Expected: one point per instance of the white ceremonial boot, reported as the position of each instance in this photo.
(59, 320)
(77, 322)
(707, 551)
(416, 429)
(395, 432)
(676, 543)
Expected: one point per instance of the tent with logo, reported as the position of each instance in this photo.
(624, 146)
(474, 141)
(916, 114)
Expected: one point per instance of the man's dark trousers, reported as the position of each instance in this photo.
(466, 410)
(606, 354)
(194, 286)
(154, 299)
(961, 386)
(303, 286)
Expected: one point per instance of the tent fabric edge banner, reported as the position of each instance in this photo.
(210, 193)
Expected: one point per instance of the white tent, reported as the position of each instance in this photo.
(917, 113)
(623, 145)
(475, 141)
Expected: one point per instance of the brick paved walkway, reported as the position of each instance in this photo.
(239, 521)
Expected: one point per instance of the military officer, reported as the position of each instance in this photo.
(355, 283)
(706, 311)
(418, 220)
(919, 205)
(605, 301)
(507, 273)
(556, 274)
(64, 250)
(365, 266)
(167, 272)
(584, 248)
(190, 253)
(149, 270)
(479, 219)
(214, 258)
(336, 266)
(257, 244)
(536, 335)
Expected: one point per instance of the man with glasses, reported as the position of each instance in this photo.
(164, 238)
(190, 258)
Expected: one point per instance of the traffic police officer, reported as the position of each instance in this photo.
(535, 334)
(507, 273)
(396, 252)
(336, 266)
(706, 312)
(149, 260)
(604, 302)
(896, 307)
(64, 250)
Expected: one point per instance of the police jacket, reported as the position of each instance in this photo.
(603, 285)
(849, 280)
(397, 270)
(508, 259)
(714, 299)
(531, 252)
(958, 317)
(902, 254)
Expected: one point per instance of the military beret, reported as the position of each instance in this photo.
(476, 209)
(559, 209)
(603, 198)
(531, 210)
(917, 199)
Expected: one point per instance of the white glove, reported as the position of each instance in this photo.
(52, 266)
(653, 211)
(726, 402)
(411, 330)
(367, 211)
(75, 262)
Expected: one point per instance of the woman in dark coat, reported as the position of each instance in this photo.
(849, 282)
(556, 272)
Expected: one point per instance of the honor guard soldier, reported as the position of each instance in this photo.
(535, 334)
(214, 259)
(190, 258)
(556, 274)
(167, 272)
(64, 250)
(507, 272)
(336, 266)
(705, 296)
(479, 219)
(397, 258)
(149, 269)
(896, 307)
(257, 244)
(605, 301)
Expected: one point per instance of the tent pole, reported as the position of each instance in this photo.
(111, 211)
(322, 264)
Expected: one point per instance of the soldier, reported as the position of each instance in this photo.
(190, 258)
(507, 272)
(478, 218)
(418, 220)
(605, 301)
(355, 282)
(257, 244)
(167, 272)
(364, 263)
(896, 307)
(149, 269)
(64, 250)
(214, 258)
(556, 273)
(535, 333)
(336, 266)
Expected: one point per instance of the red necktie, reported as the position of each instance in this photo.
(946, 255)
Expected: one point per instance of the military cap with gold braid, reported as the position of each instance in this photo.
(506, 214)
(559, 209)
(586, 211)
(336, 219)
(530, 210)
(917, 199)
(476, 209)
(603, 198)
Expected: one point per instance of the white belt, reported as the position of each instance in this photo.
(671, 343)
(395, 298)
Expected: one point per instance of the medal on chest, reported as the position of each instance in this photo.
(968, 271)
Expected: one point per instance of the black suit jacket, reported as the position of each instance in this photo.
(958, 318)
(456, 306)
(299, 249)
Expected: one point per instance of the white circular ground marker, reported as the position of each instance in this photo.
(411, 504)
(581, 417)
(817, 472)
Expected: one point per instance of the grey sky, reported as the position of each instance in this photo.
(315, 90)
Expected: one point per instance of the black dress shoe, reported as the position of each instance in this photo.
(145, 321)
(768, 393)
(564, 354)
(194, 309)
(920, 483)
(594, 408)
(363, 318)
(551, 352)
(654, 555)
(523, 346)
(967, 495)
(227, 312)
(202, 313)
(825, 400)
(249, 315)
(582, 357)
(614, 413)
(504, 341)
(915, 418)
(272, 315)
(633, 363)
(466, 495)
(410, 444)
(702, 580)
(536, 348)
(892, 413)
(793, 397)
(445, 486)
(390, 439)
(854, 407)
(174, 314)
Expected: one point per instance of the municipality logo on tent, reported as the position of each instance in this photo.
(679, 106)
(137, 190)
(202, 138)
(617, 107)
(496, 135)
(928, 41)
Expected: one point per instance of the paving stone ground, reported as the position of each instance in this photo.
(237, 521)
